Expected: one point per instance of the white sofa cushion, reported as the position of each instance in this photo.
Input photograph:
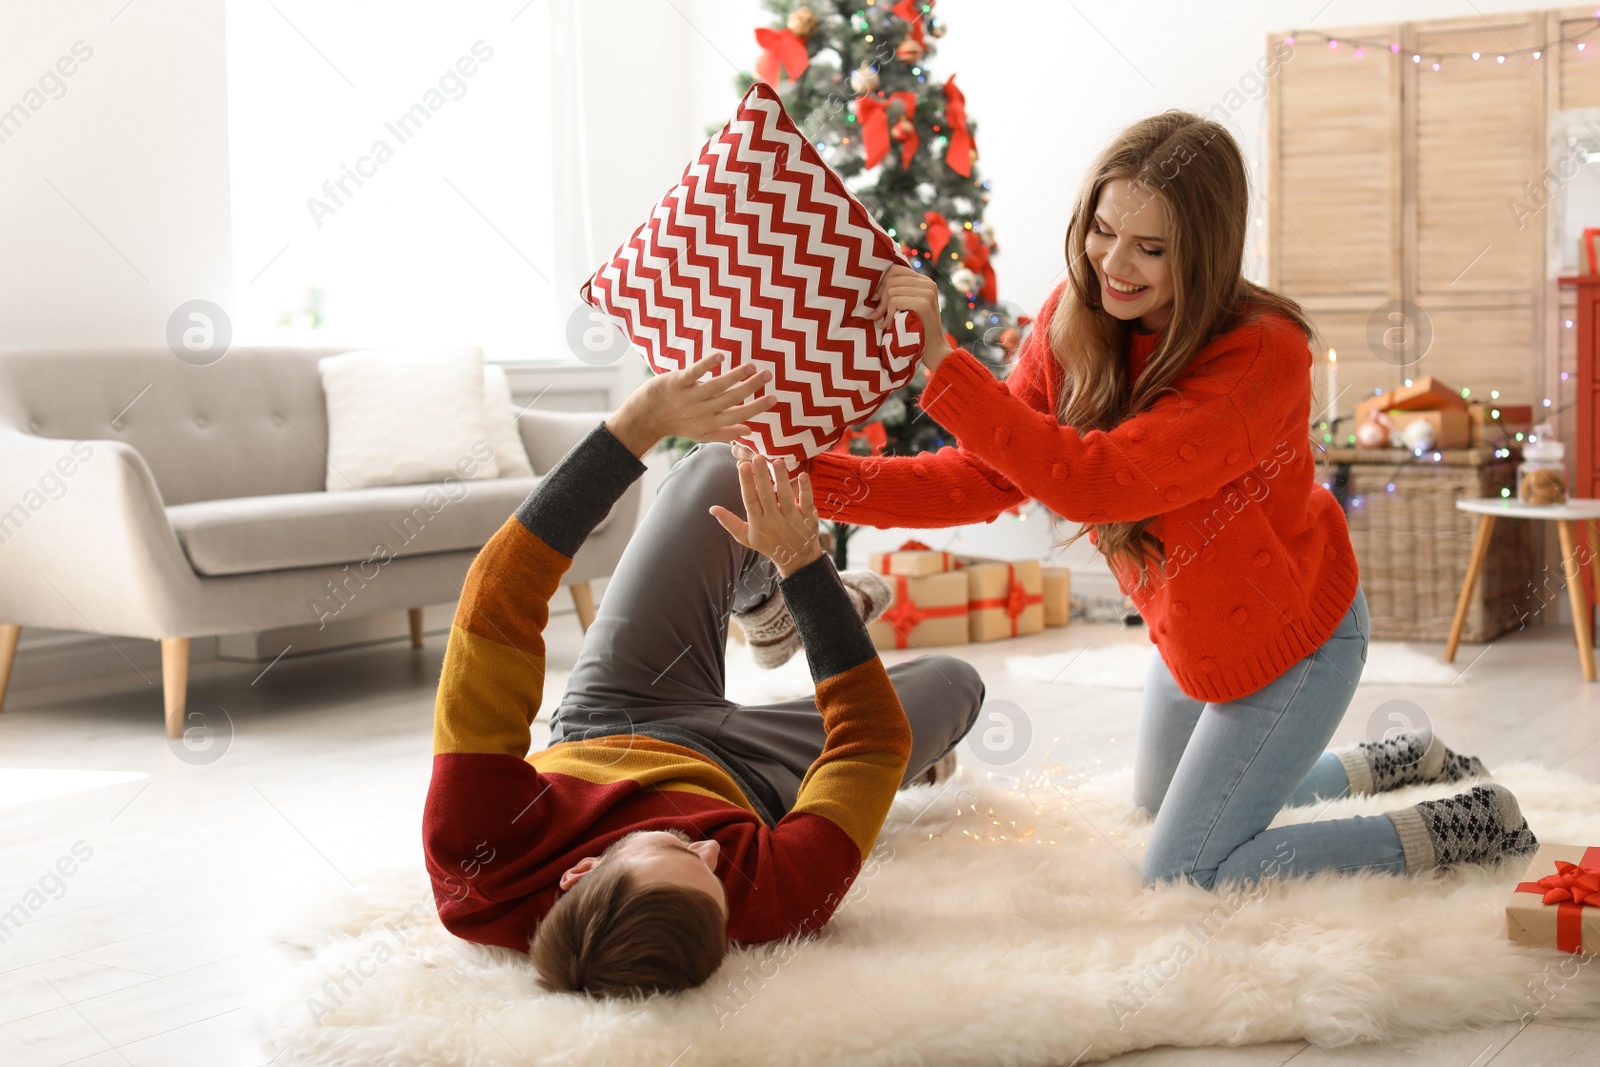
(249, 535)
(403, 418)
(500, 424)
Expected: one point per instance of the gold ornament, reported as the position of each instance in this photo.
(965, 280)
(864, 80)
(802, 20)
(909, 51)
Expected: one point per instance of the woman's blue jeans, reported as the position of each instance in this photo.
(1216, 775)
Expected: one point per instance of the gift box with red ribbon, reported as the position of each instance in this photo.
(1557, 904)
(1004, 599)
(927, 610)
(912, 559)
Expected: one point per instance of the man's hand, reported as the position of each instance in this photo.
(903, 289)
(679, 404)
(780, 526)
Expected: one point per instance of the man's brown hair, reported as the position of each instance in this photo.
(610, 936)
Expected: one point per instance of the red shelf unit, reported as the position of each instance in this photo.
(1586, 462)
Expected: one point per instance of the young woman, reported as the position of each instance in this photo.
(1163, 402)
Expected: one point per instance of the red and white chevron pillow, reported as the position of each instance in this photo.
(761, 252)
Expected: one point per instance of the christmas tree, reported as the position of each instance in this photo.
(855, 78)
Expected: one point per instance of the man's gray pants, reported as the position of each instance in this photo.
(655, 651)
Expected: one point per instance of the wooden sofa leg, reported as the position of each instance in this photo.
(9, 632)
(175, 681)
(415, 616)
(583, 600)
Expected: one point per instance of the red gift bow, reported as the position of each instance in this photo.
(1015, 601)
(977, 261)
(907, 9)
(938, 234)
(904, 615)
(872, 113)
(780, 48)
(959, 155)
(873, 433)
(1572, 888)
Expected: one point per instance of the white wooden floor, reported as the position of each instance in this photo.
(147, 952)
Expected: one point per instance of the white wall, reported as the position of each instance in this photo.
(114, 194)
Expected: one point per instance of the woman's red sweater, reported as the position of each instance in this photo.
(1259, 568)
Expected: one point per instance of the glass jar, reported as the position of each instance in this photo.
(1542, 474)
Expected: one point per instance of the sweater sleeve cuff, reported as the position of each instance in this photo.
(834, 636)
(579, 491)
(951, 390)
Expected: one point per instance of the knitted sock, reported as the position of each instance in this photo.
(769, 628)
(1481, 825)
(1409, 759)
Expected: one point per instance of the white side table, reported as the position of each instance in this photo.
(1563, 515)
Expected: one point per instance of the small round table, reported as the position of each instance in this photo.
(1563, 515)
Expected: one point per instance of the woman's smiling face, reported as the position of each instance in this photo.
(1127, 245)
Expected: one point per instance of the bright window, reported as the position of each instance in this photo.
(391, 174)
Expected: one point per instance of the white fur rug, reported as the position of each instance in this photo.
(1123, 665)
(996, 923)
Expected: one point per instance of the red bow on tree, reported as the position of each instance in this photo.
(873, 114)
(780, 48)
(977, 261)
(959, 155)
(938, 234)
(907, 9)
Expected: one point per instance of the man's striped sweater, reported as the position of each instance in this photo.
(500, 826)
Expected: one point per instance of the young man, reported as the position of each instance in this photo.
(664, 822)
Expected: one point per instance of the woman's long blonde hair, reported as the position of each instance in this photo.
(1194, 167)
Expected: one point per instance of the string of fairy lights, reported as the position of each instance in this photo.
(1435, 60)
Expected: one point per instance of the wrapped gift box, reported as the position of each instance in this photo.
(929, 610)
(1057, 595)
(1495, 425)
(1548, 908)
(1004, 599)
(1426, 394)
(912, 559)
(1451, 429)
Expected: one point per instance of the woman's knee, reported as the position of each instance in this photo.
(1167, 870)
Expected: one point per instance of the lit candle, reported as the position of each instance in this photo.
(1333, 384)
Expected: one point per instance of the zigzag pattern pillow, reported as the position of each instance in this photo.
(761, 252)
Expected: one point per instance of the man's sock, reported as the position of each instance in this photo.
(769, 628)
(1482, 825)
(1409, 759)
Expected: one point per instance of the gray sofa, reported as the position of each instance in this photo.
(144, 497)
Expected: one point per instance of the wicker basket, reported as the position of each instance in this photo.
(1412, 543)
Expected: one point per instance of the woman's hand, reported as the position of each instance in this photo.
(903, 289)
(780, 524)
(679, 404)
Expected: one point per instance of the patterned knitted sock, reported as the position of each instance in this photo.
(769, 628)
(1481, 825)
(1409, 759)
